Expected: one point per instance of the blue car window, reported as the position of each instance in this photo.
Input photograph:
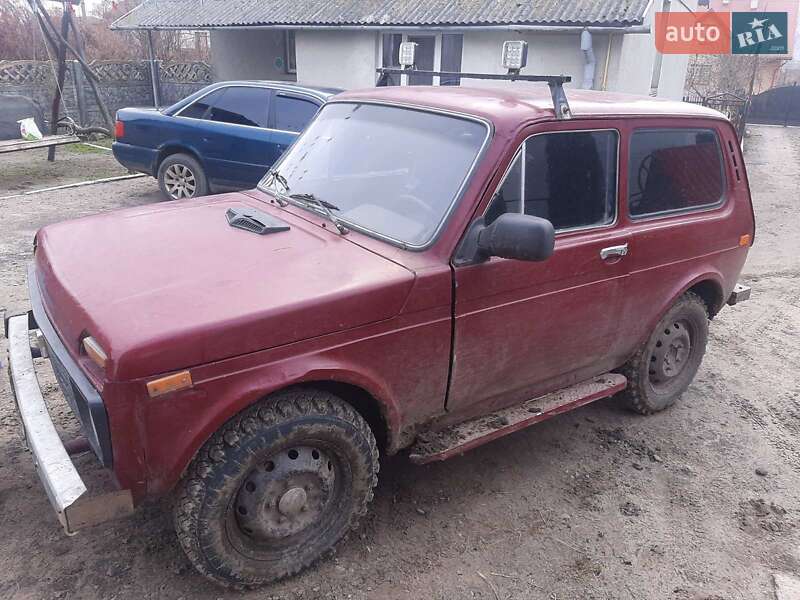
(197, 109)
(293, 114)
(242, 106)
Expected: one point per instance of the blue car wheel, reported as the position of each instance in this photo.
(180, 176)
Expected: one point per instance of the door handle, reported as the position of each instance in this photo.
(621, 250)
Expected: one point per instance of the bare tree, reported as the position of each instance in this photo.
(21, 38)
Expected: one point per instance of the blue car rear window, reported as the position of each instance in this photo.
(242, 106)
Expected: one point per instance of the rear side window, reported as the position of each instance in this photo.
(674, 170)
(568, 178)
(197, 109)
(293, 114)
(242, 106)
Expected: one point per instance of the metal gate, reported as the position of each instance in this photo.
(731, 105)
(778, 106)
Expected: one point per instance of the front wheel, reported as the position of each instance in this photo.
(181, 176)
(664, 367)
(276, 488)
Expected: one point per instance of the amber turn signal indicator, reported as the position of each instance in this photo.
(170, 383)
(95, 352)
(745, 239)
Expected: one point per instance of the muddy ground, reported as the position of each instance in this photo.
(700, 502)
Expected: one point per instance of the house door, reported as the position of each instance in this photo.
(423, 58)
(526, 328)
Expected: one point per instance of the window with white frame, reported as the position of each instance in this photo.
(434, 52)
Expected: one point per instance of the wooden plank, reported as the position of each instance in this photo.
(46, 142)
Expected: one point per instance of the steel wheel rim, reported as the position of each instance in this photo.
(180, 181)
(285, 500)
(671, 353)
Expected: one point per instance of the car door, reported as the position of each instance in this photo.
(525, 328)
(236, 144)
(289, 115)
(681, 219)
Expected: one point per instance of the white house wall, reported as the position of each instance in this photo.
(548, 54)
(348, 58)
(345, 59)
(248, 54)
(635, 54)
(674, 66)
(634, 71)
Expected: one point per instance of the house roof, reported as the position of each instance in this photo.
(200, 14)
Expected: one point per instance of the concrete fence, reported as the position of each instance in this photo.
(121, 84)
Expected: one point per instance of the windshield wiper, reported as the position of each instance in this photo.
(327, 208)
(275, 175)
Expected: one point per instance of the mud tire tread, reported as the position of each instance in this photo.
(636, 396)
(276, 409)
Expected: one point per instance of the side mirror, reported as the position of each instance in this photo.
(516, 236)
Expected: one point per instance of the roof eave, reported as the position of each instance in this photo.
(545, 28)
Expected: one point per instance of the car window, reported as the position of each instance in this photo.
(392, 171)
(568, 178)
(673, 169)
(242, 106)
(293, 114)
(197, 109)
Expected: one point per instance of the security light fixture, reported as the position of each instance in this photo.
(515, 55)
(407, 51)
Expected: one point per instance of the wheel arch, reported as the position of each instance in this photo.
(710, 291)
(708, 286)
(367, 396)
(365, 404)
(171, 148)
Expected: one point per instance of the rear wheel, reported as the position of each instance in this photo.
(276, 488)
(665, 366)
(181, 176)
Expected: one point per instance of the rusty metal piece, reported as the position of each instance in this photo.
(465, 436)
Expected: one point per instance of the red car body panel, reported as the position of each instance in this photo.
(173, 287)
(197, 291)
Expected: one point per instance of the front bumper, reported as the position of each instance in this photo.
(62, 482)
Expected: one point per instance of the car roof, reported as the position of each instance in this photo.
(323, 92)
(525, 101)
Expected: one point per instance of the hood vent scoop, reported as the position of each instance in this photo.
(254, 221)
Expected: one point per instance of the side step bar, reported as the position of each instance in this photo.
(455, 440)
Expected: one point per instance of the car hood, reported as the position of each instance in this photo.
(170, 286)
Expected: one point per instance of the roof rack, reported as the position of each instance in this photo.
(555, 82)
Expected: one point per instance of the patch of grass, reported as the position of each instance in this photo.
(87, 149)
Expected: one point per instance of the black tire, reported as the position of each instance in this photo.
(232, 473)
(181, 176)
(666, 364)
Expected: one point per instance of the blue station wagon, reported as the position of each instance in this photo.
(221, 138)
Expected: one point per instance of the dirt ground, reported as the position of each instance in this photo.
(697, 503)
(29, 170)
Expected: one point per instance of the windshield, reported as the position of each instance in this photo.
(388, 170)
